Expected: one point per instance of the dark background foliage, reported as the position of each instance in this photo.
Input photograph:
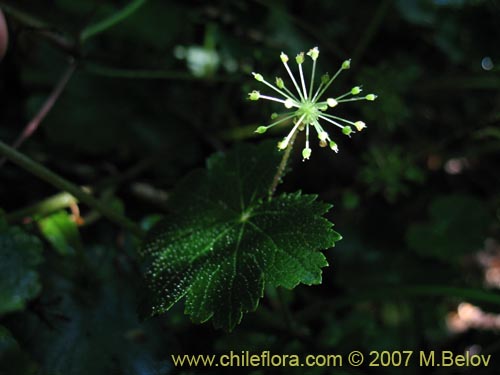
(415, 195)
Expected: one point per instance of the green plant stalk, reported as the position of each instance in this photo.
(113, 72)
(103, 25)
(282, 166)
(371, 29)
(308, 27)
(47, 175)
(23, 17)
(35, 122)
(64, 200)
(44, 207)
(39, 26)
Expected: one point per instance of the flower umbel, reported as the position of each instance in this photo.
(306, 104)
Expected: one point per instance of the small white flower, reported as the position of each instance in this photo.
(308, 108)
(359, 125)
(331, 102)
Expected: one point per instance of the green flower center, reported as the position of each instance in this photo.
(310, 110)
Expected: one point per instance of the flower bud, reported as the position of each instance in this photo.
(254, 95)
(300, 58)
(360, 125)
(346, 64)
(325, 78)
(274, 116)
(258, 77)
(371, 97)
(347, 130)
(279, 83)
(283, 144)
(331, 102)
(261, 129)
(323, 135)
(289, 103)
(306, 153)
(313, 53)
(356, 90)
(334, 146)
(284, 58)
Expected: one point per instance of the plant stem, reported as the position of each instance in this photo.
(34, 24)
(23, 17)
(114, 72)
(47, 175)
(113, 19)
(65, 200)
(313, 31)
(33, 125)
(371, 30)
(282, 166)
(44, 207)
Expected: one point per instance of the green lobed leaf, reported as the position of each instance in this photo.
(226, 240)
(20, 253)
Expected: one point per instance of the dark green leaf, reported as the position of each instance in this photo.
(458, 225)
(12, 359)
(93, 327)
(61, 232)
(389, 170)
(20, 253)
(225, 241)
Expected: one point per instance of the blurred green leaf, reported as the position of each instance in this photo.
(20, 254)
(458, 224)
(62, 232)
(488, 132)
(111, 20)
(390, 171)
(12, 359)
(90, 323)
(226, 240)
(350, 200)
(392, 109)
(156, 24)
(420, 12)
(7, 342)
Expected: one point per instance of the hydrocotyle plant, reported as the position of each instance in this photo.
(307, 106)
(228, 236)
